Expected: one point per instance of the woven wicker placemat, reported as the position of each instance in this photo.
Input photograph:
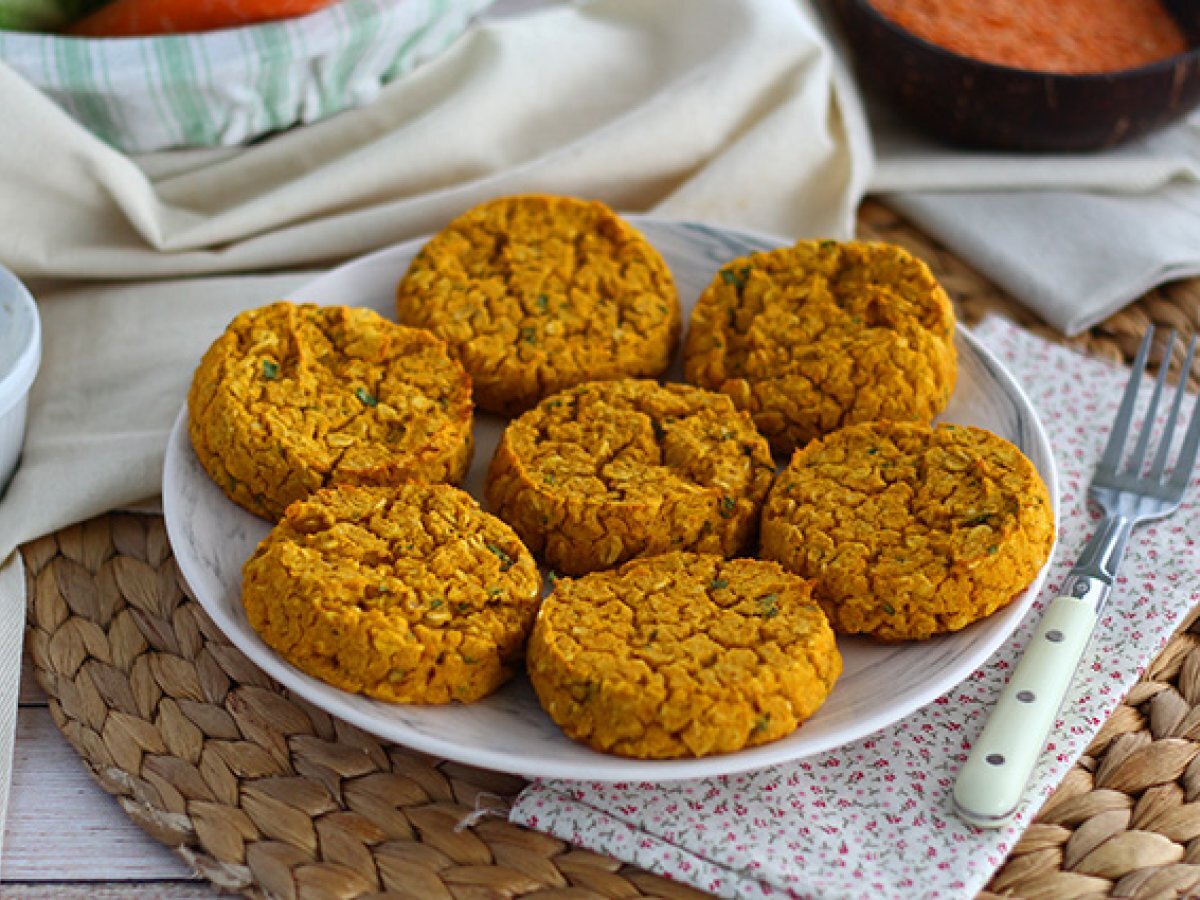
(263, 793)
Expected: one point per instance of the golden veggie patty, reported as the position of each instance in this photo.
(610, 470)
(824, 334)
(292, 398)
(910, 531)
(682, 655)
(537, 293)
(407, 593)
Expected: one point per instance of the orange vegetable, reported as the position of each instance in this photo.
(129, 18)
(1069, 36)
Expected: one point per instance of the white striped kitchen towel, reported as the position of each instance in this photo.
(224, 88)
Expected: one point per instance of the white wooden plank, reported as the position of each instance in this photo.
(31, 693)
(62, 826)
(115, 890)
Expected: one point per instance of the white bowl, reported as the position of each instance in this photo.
(212, 538)
(20, 355)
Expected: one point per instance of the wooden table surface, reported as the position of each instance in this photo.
(66, 837)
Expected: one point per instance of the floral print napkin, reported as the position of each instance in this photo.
(873, 818)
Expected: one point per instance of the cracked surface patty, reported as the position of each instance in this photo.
(609, 470)
(408, 593)
(537, 293)
(824, 334)
(683, 654)
(910, 531)
(292, 398)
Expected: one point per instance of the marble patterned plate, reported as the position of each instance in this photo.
(508, 731)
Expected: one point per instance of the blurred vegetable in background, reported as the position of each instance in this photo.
(127, 18)
(42, 15)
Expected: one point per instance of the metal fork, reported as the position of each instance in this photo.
(991, 783)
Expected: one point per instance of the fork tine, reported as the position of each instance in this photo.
(1164, 448)
(1139, 450)
(1191, 441)
(1120, 427)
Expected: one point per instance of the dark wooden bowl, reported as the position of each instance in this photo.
(978, 104)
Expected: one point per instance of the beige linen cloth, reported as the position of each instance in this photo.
(729, 111)
(1075, 236)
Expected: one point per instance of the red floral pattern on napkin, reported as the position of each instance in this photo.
(872, 818)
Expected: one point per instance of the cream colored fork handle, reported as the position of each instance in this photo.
(991, 783)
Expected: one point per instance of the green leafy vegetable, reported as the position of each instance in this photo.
(42, 15)
(506, 561)
(737, 278)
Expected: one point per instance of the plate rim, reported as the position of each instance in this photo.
(292, 679)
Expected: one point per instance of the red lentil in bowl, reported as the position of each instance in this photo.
(1067, 36)
(981, 103)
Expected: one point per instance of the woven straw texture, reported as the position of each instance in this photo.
(265, 794)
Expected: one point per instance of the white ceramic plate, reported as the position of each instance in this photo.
(508, 731)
